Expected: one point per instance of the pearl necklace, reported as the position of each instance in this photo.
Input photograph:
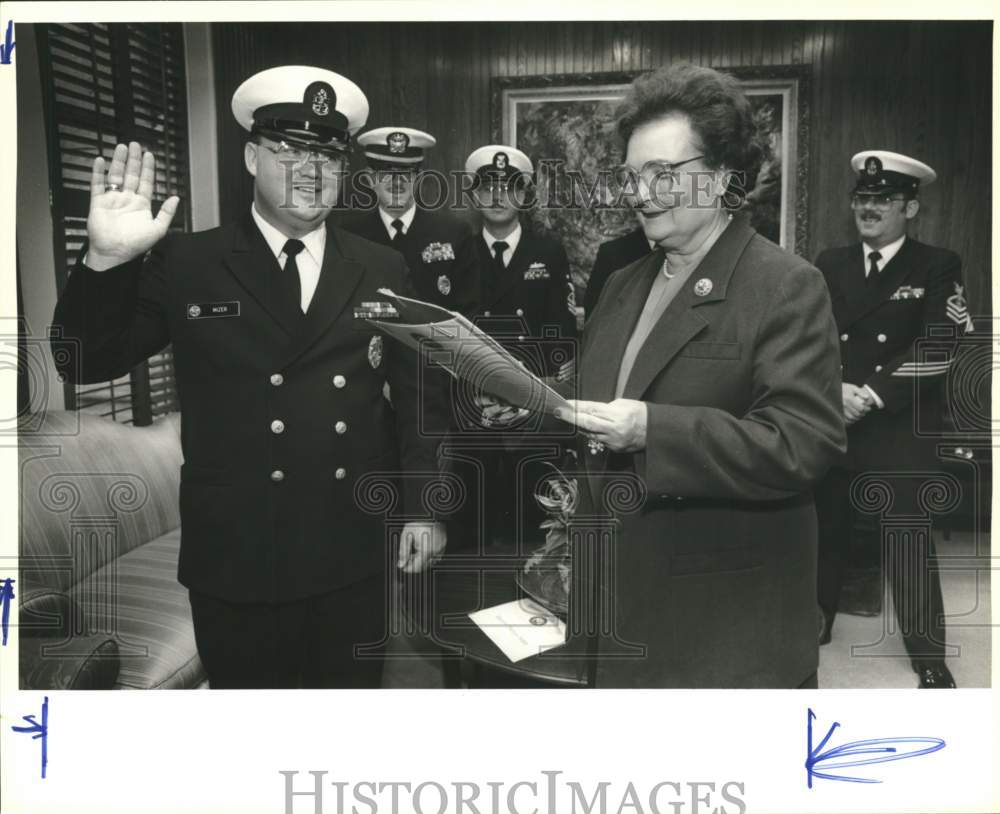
(670, 276)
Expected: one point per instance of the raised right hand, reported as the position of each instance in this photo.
(121, 225)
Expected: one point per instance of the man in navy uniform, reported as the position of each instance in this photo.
(887, 293)
(526, 291)
(284, 424)
(528, 305)
(439, 248)
(612, 255)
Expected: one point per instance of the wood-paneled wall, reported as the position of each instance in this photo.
(921, 88)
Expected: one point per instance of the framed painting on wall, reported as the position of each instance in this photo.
(566, 125)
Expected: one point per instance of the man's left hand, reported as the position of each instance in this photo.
(420, 546)
(620, 425)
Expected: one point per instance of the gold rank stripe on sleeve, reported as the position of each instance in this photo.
(922, 368)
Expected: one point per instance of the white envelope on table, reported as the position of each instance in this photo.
(521, 628)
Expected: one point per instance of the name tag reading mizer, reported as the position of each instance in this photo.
(208, 310)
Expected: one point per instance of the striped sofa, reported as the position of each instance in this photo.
(98, 597)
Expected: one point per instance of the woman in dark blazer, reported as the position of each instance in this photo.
(611, 256)
(710, 382)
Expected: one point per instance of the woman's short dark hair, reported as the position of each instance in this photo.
(718, 110)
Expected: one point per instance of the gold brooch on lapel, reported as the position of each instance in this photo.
(375, 351)
(444, 284)
(703, 287)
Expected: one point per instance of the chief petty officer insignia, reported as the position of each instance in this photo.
(375, 351)
(500, 161)
(397, 142)
(444, 284)
(958, 309)
(873, 165)
(320, 95)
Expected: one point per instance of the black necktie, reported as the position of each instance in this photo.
(291, 287)
(873, 259)
(499, 247)
(397, 224)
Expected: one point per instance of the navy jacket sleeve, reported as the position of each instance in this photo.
(112, 320)
(926, 361)
(467, 261)
(560, 311)
(420, 393)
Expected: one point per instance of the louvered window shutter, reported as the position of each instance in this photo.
(104, 84)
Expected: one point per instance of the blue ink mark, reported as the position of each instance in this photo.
(876, 746)
(6, 594)
(38, 730)
(8, 46)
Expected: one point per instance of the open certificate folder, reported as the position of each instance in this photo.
(453, 342)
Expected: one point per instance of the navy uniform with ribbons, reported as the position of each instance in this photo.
(899, 308)
(527, 293)
(286, 434)
(528, 306)
(439, 248)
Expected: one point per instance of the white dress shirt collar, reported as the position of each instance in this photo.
(309, 262)
(406, 217)
(315, 241)
(887, 252)
(511, 240)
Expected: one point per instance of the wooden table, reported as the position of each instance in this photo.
(437, 604)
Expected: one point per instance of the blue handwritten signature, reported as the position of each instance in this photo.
(38, 731)
(882, 750)
(7, 48)
(6, 594)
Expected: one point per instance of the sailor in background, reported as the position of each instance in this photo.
(283, 418)
(527, 293)
(888, 291)
(439, 249)
(529, 306)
